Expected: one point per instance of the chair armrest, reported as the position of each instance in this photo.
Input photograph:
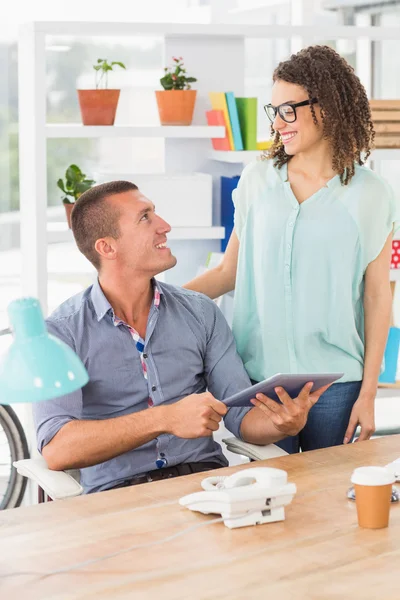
(57, 484)
(253, 451)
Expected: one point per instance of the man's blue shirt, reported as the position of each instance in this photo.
(188, 348)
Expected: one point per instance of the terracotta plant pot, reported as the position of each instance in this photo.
(68, 211)
(176, 106)
(98, 107)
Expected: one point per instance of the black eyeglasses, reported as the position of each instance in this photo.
(286, 111)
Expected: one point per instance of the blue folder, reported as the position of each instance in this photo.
(391, 356)
(228, 184)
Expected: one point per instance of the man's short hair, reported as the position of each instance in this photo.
(93, 218)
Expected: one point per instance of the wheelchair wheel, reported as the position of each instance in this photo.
(13, 446)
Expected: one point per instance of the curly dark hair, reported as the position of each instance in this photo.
(345, 110)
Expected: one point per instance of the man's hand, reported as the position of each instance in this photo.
(291, 416)
(197, 415)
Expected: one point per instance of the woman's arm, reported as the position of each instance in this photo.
(221, 279)
(377, 311)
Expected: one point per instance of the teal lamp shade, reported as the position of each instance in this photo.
(37, 366)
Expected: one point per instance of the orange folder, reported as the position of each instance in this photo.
(216, 117)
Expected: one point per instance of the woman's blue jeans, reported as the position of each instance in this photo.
(327, 420)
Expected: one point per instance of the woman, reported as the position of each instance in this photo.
(309, 256)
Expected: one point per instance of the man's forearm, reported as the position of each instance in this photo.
(81, 444)
(257, 428)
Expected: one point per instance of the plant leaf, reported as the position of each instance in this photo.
(60, 184)
(82, 186)
(120, 64)
(167, 82)
(74, 174)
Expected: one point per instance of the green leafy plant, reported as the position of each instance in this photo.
(102, 68)
(175, 77)
(74, 185)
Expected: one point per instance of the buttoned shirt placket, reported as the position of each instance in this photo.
(161, 460)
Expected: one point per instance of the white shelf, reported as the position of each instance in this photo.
(76, 130)
(192, 30)
(58, 232)
(245, 156)
(197, 233)
(394, 274)
(235, 156)
(385, 154)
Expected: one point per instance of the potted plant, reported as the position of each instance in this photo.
(74, 185)
(176, 102)
(98, 106)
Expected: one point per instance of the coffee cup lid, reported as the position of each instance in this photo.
(372, 476)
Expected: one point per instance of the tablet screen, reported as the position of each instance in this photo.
(293, 384)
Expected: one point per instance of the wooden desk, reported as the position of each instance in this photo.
(318, 553)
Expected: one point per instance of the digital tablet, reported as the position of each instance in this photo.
(293, 385)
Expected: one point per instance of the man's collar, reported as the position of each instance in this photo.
(100, 302)
(102, 305)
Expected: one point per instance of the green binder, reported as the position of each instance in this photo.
(247, 111)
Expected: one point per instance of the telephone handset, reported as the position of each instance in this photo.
(248, 497)
(261, 476)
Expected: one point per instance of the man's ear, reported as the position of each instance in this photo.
(106, 247)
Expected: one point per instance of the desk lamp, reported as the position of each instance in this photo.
(38, 366)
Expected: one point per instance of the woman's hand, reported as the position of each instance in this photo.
(363, 414)
(290, 416)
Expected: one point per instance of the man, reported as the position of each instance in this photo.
(151, 351)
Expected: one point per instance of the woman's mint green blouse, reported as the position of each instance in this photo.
(300, 280)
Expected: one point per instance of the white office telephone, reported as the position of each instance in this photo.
(248, 497)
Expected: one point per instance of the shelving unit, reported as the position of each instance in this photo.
(234, 156)
(395, 273)
(246, 156)
(214, 30)
(221, 45)
(390, 386)
(76, 130)
(386, 154)
(58, 232)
